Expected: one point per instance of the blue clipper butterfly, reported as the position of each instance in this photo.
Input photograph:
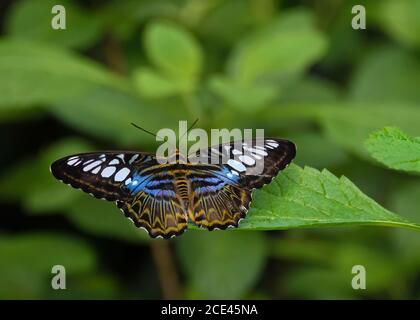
(163, 198)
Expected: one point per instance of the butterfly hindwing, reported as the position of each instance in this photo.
(221, 195)
(155, 203)
(216, 201)
(162, 215)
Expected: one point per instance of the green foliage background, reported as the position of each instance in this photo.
(295, 68)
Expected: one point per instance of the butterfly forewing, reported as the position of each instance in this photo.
(102, 174)
(251, 163)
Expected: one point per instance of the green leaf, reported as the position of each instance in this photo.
(310, 198)
(173, 50)
(31, 74)
(346, 124)
(331, 276)
(387, 74)
(310, 90)
(222, 265)
(151, 84)
(326, 284)
(404, 200)
(31, 20)
(25, 266)
(349, 125)
(113, 111)
(103, 219)
(44, 194)
(401, 20)
(316, 151)
(395, 149)
(268, 59)
(39, 252)
(245, 98)
(286, 46)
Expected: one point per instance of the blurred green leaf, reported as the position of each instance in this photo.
(226, 21)
(40, 252)
(315, 151)
(173, 50)
(310, 198)
(44, 194)
(107, 114)
(243, 97)
(349, 125)
(267, 59)
(124, 17)
(301, 250)
(401, 20)
(289, 44)
(381, 269)
(27, 260)
(154, 85)
(231, 261)
(31, 20)
(331, 277)
(324, 284)
(103, 219)
(31, 74)
(310, 90)
(387, 74)
(89, 286)
(404, 200)
(395, 149)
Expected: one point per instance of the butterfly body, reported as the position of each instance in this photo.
(163, 197)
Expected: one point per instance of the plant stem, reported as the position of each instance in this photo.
(166, 269)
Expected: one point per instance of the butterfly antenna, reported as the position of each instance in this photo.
(144, 130)
(192, 126)
(189, 129)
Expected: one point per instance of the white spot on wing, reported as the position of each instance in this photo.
(236, 165)
(92, 165)
(133, 158)
(96, 170)
(114, 161)
(235, 152)
(87, 162)
(247, 160)
(122, 174)
(273, 144)
(121, 156)
(257, 151)
(71, 162)
(108, 171)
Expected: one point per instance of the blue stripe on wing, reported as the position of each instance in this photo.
(149, 184)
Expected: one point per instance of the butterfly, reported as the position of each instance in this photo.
(163, 197)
